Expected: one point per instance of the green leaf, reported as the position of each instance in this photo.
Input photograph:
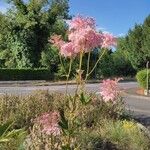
(14, 133)
(66, 147)
(6, 134)
(84, 98)
(5, 127)
(63, 123)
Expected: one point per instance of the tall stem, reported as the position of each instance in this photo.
(80, 64)
(62, 64)
(70, 65)
(80, 68)
(79, 71)
(97, 62)
(88, 65)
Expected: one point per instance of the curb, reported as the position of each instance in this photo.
(48, 83)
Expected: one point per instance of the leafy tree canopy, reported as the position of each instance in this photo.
(137, 44)
(28, 26)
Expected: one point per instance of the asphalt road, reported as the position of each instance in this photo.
(139, 105)
(60, 88)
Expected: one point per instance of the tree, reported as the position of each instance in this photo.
(146, 39)
(135, 47)
(116, 63)
(122, 64)
(50, 58)
(31, 23)
(105, 67)
(137, 44)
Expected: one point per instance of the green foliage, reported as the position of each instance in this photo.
(84, 98)
(63, 69)
(142, 78)
(136, 44)
(125, 134)
(11, 138)
(50, 58)
(122, 64)
(115, 64)
(26, 28)
(93, 140)
(105, 66)
(26, 74)
(17, 54)
(63, 123)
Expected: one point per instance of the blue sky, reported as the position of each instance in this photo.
(115, 16)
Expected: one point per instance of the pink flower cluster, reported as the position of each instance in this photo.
(80, 22)
(109, 89)
(83, 37)
(57, 41)
(49, 123)
(108, 40)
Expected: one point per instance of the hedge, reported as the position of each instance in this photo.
(142, 78)
(25, 74)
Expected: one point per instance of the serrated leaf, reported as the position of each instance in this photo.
(63, 123)
(84, 99)
(5, 127)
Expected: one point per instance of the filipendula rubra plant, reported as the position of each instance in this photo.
(82, 39)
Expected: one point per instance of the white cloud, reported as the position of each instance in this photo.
(101, 29)
(121, 35)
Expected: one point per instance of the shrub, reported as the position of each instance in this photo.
(25, 74)
(142, 78)
(23, 109)
(93, 141)
(125, 134)
(11, 138)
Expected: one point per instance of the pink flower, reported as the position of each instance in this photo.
(82, 37)
(49, 123)
(85, 39)
(67, 49)
(57, 41)
(109, 89)
(108, 40)
(80, 22)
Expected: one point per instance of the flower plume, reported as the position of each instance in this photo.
(109, 89)
(82, 37)
(49, 123)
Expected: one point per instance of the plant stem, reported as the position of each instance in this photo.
(79, 75)
(80, 64)
(62, 64)
(88, 65)
(80, 69)
(70, 65)
(97, 62)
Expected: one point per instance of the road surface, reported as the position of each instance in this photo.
(61, 88)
